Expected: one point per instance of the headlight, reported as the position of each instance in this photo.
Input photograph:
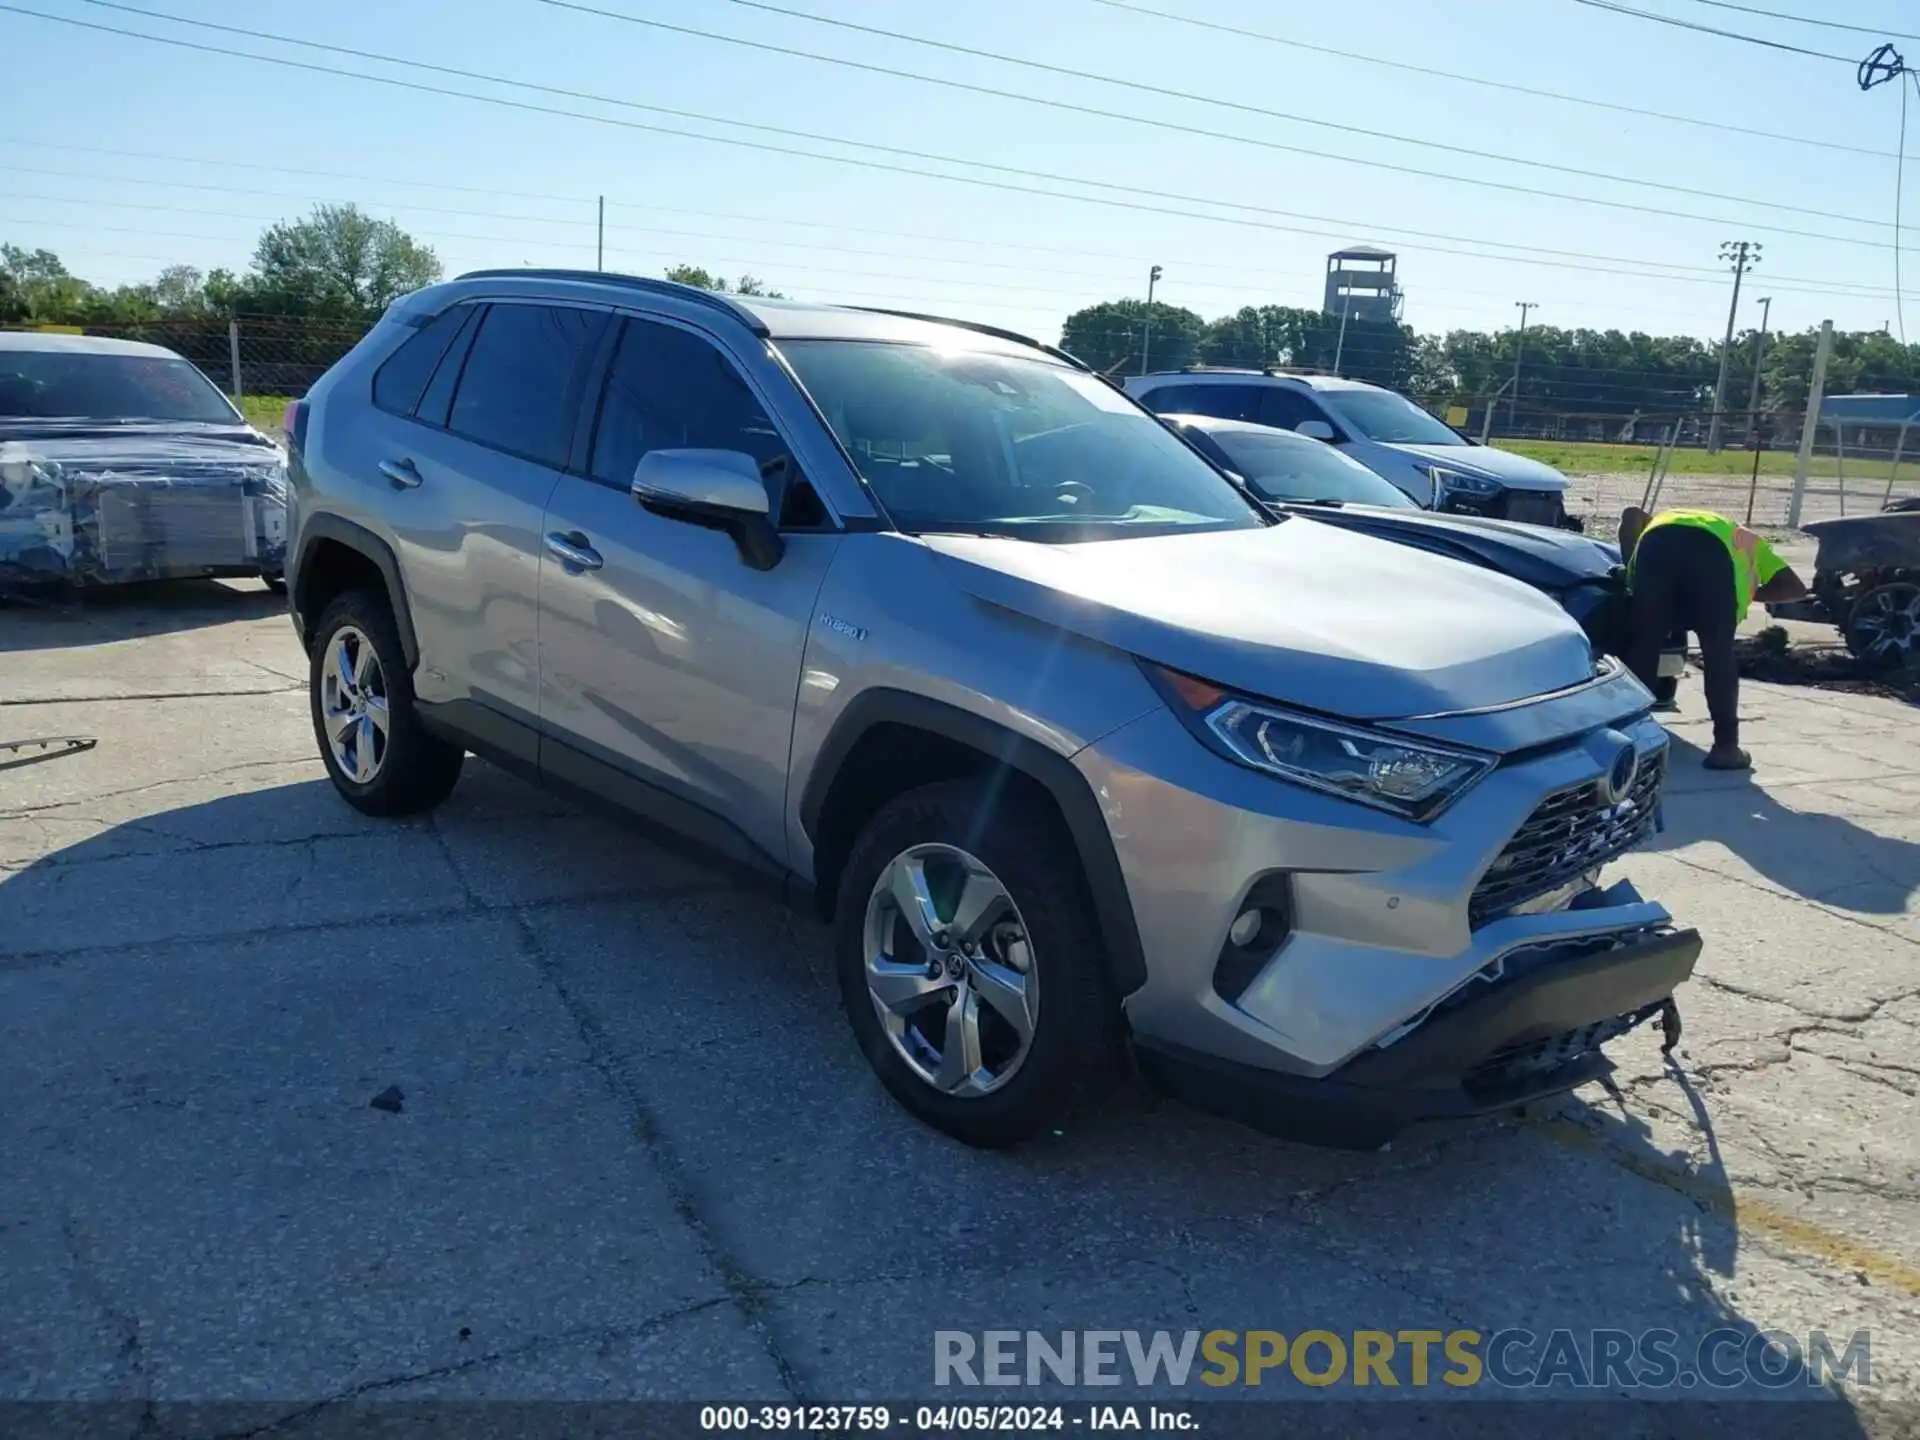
(1407, 778)
(1452, 482)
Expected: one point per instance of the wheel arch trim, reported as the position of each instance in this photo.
(370, 547)
(1004, 749)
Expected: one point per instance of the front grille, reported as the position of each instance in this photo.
(1533, 507)
(1569, 833)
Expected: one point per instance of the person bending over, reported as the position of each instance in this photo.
(1698, 571)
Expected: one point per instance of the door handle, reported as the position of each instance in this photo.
(573, 551)
(401, 473)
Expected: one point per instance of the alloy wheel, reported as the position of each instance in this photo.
(353, 705)
(950, 970)
(1885, 626)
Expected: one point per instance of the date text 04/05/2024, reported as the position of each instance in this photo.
(942, 1419)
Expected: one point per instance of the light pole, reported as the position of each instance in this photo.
(1740, 254)
(1759, 353)
(1146, 337)
(1519, 349)
(1340, 346)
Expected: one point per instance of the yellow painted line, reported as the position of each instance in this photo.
(1792, 1230)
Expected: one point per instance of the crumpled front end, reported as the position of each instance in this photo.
(1334, 974)
(104, 512)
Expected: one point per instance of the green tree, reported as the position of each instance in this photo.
(745, 285)
(1112, 336)
(40, 288)
(339, 261)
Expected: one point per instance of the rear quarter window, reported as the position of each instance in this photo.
(401, 378)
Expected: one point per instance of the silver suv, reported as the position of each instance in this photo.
(1083, 754)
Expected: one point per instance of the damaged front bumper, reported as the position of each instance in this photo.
(104, 512)
(1531, 1024)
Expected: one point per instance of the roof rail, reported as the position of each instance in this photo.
(673, 288)
(977, 328)
(1249, 370)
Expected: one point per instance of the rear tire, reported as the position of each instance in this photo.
(1015, 848)
(378, 755)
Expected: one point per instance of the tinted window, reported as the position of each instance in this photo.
(1392, 419)
(1285, 408)
(1226, 402)
(68, 385)
(670, 390)
(433, 406)
(397, 383)
(1292, 467)
(1172, 400)
(516, 388)
(965, 442)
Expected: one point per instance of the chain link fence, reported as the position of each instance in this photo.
(1612, 459)
(260, 361)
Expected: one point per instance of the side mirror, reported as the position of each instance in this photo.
(715, 489)
(1317, 430)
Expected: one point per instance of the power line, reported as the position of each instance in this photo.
(810, 135)
(1362, 59)
(1711, 30)
(1526, 255)
(1808, 20)
(1212, 101)
(1812, 284)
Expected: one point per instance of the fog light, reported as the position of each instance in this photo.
(1257, 933)
(1246, 927)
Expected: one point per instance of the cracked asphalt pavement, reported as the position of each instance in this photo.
(636, 1154)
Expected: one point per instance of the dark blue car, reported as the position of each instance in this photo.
(1296, 474)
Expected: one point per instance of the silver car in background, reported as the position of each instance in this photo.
(120, 461)
(1080, 751)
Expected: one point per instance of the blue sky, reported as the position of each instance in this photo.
(487, 185)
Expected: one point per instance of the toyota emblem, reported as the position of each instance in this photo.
(1621, 774)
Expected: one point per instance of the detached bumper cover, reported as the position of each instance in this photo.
(1534, 1030)
(142, 507)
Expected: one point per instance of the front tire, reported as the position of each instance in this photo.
(378, 755)
(970, 963)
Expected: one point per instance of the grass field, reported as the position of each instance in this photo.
(264, 412)
(1583, 459)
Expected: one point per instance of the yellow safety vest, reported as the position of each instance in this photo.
(1754, 561)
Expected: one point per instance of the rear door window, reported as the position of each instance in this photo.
(520, 385)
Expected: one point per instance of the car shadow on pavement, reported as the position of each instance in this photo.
(67, 618)
(1148, 1214)
(1812, 853)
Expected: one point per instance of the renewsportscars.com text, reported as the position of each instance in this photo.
(1458, 1359)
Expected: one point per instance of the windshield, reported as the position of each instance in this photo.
(64, 385)
(959, 442)
(1286, 467)
(1389, 419)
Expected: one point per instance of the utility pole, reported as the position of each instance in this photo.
(1146, 338)
(1340, 346)
(1810, 427)
(1519, 349)
(600, 238)
(1739, 254)
(1759, 353)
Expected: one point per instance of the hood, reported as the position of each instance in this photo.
(81, 441)
(1515, 471)
(1302, 613)
(1536, 555)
